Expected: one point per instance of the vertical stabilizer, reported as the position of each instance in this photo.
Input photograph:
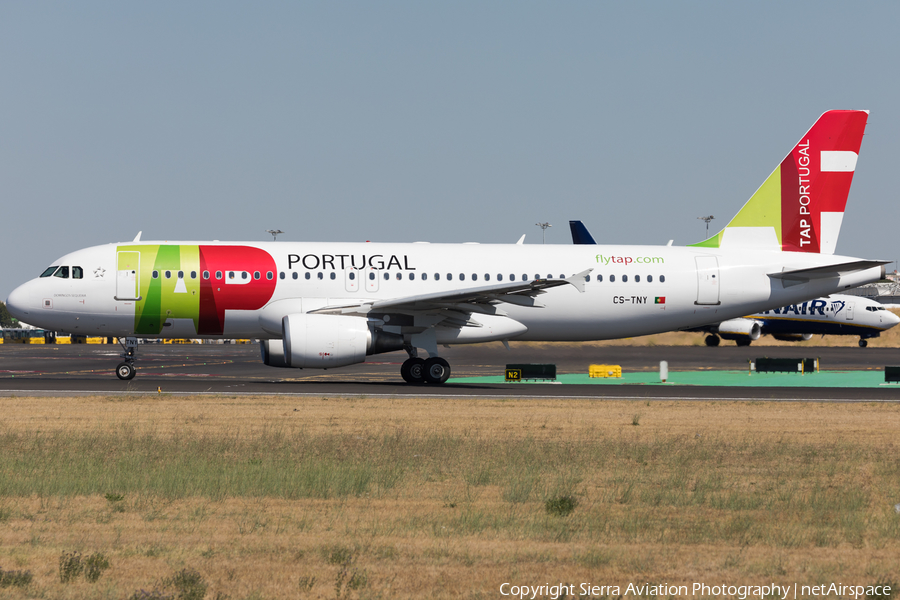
(800, 207)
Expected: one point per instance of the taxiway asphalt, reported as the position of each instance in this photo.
(237, 369)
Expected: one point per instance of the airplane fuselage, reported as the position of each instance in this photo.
(220, 290)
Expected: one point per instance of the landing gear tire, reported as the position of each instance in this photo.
(743, 342)
(863, 343)
(712, 340)
(125, 371)
(413, 370)
(437, 370)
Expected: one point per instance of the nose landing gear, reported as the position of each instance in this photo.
(125, 370)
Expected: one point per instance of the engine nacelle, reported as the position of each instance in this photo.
(273, 353)
(740, 328)
(324, 341)
(792, 337)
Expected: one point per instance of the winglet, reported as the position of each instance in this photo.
(137, 238)
(521, 240)
(578, 279)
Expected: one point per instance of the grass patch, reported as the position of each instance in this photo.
(407, 498)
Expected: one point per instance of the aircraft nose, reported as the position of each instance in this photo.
(890, 318)
(19, 303)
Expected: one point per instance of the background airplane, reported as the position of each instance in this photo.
(832, 315)
(327, 305)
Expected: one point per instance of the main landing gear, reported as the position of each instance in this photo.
(863, 342)
(125, 370)
(416, 370)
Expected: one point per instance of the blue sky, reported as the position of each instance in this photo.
(445, 122)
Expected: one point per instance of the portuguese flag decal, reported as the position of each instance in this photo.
(660, 300)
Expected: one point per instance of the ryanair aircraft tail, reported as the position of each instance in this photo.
(800, 206)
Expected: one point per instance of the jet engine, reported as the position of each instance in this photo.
(740, 329)
(326, 342)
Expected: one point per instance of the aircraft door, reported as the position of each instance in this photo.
(707, 280)
(849, 311)
(351, 280)
(128, 279)
(372, 279)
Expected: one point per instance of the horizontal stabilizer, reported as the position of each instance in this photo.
(828, 270)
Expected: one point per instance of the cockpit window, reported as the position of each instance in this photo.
(77, 273)
(62, 272)
(49, 271)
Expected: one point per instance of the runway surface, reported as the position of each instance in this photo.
(237, 369)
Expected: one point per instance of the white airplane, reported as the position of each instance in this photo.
(326, 305)
(833, 315)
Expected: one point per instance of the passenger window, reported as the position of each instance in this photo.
(649, 278)
(321, 275)
(245, 275)
(281, 275)
(587, 278)
(371, 276)
(412, 276)
(499, 277)
(487, 277)
(269, 275)
(230, 274)
(399, 276)
(612, 278)
(624, 278)
(296, 275)
(62, 272)
(462, 276)
(662, 278)
(599, 277)
(424, 276)
(387, 276)
(77, 273)
(180, 274)
(474, 277)
(193, 274)
(561, 276)
(437, 276)
(512, 277)
(155, 274)
(218, 274)
(549, 276)
(205, 274)
(637, 278)
(256, 275)
(49, 271)
(168, 274)
(449, 276)
(351, 275)
(333, 276)
(524, 277)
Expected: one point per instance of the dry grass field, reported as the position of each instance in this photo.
(285, 497)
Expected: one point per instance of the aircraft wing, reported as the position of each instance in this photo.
(828, 270)
(480, 299)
